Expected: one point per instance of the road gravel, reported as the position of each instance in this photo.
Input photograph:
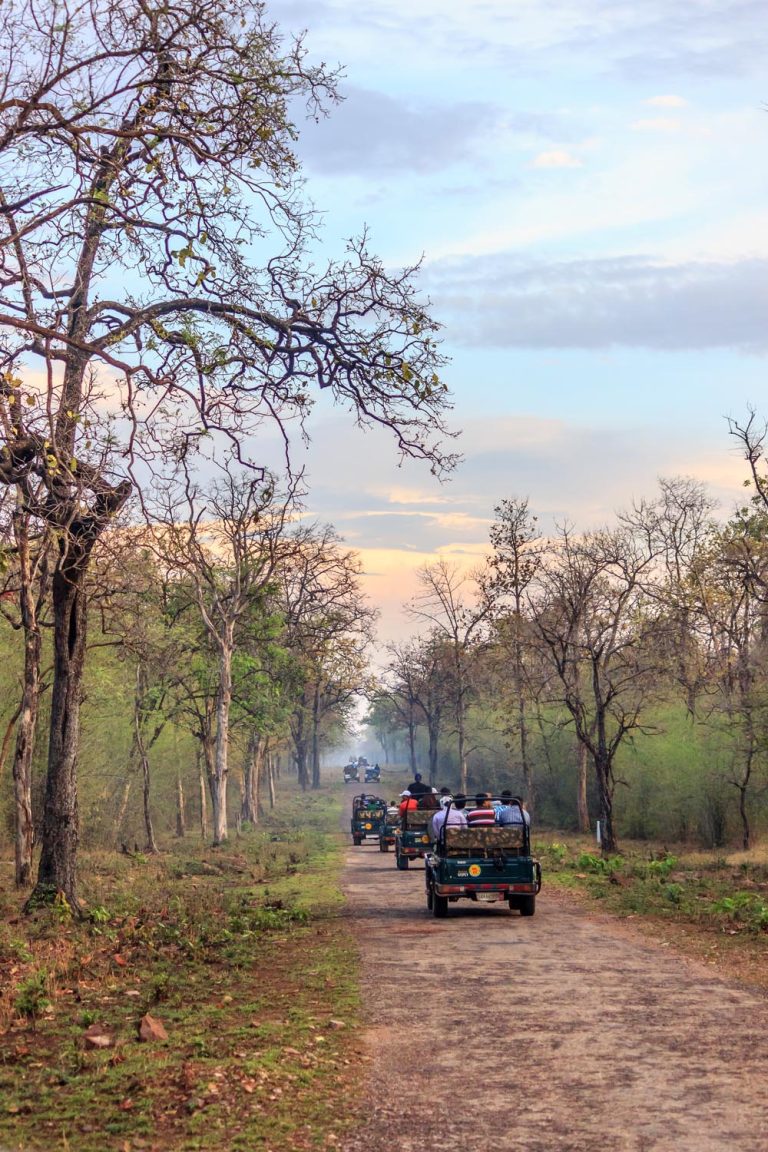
(564, 1032)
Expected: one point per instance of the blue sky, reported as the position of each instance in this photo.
(588, 185)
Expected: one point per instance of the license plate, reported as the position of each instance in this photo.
(488, 897)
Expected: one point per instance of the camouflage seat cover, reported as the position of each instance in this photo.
(497, 840)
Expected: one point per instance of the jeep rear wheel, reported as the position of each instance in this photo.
(527, 905)
(439, 905)
(402, 862)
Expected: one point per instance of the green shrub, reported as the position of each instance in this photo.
(33, 995)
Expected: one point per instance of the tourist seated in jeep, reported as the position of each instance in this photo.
(483, 812)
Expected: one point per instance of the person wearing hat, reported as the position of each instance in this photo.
(407, 801)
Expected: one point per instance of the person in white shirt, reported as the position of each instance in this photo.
(454, 815)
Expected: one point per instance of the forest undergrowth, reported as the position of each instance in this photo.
(242, 957)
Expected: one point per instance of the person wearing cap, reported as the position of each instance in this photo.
(407, 801)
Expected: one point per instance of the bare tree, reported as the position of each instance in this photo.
(596, 625)
(419, 692)
(732, 577)
(328, 631)
(223, 547)
(676, 527)
(145, 160)
(402, 694)
(460, 619)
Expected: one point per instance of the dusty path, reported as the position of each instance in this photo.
(567, 1031)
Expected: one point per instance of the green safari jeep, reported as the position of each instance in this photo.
(488, 864)
(368, 815)
(414, 836)
(388, 830)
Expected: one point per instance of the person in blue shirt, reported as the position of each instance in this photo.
(512, 810)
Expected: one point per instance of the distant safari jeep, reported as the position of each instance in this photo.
(368, 816)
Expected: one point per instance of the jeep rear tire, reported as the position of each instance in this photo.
(439, 906)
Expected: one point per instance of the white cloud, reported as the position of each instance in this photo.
(667, 102)
(656, 124)
(697, 180)
(557, 158)
(508, 300)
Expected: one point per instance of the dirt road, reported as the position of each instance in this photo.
(566, 1032)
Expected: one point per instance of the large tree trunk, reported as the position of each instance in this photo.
(149, 831)
(22, 761)
(300, 747)
(25, 745)
(221, 765)
(316, 739)
(202, 788)
(745, 830)
(525, 760)
(181, 823)
(208, 742)
(582, 811)
(251, 779)
(263, 757)
(464, 774)
(273, 764)
(122, 807)
(743, 787)
(412, 744)
(56, 873)
(301, 765)
(608, 843)
(27, 714)
(433, 731)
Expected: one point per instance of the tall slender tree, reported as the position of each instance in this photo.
(512, 568)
